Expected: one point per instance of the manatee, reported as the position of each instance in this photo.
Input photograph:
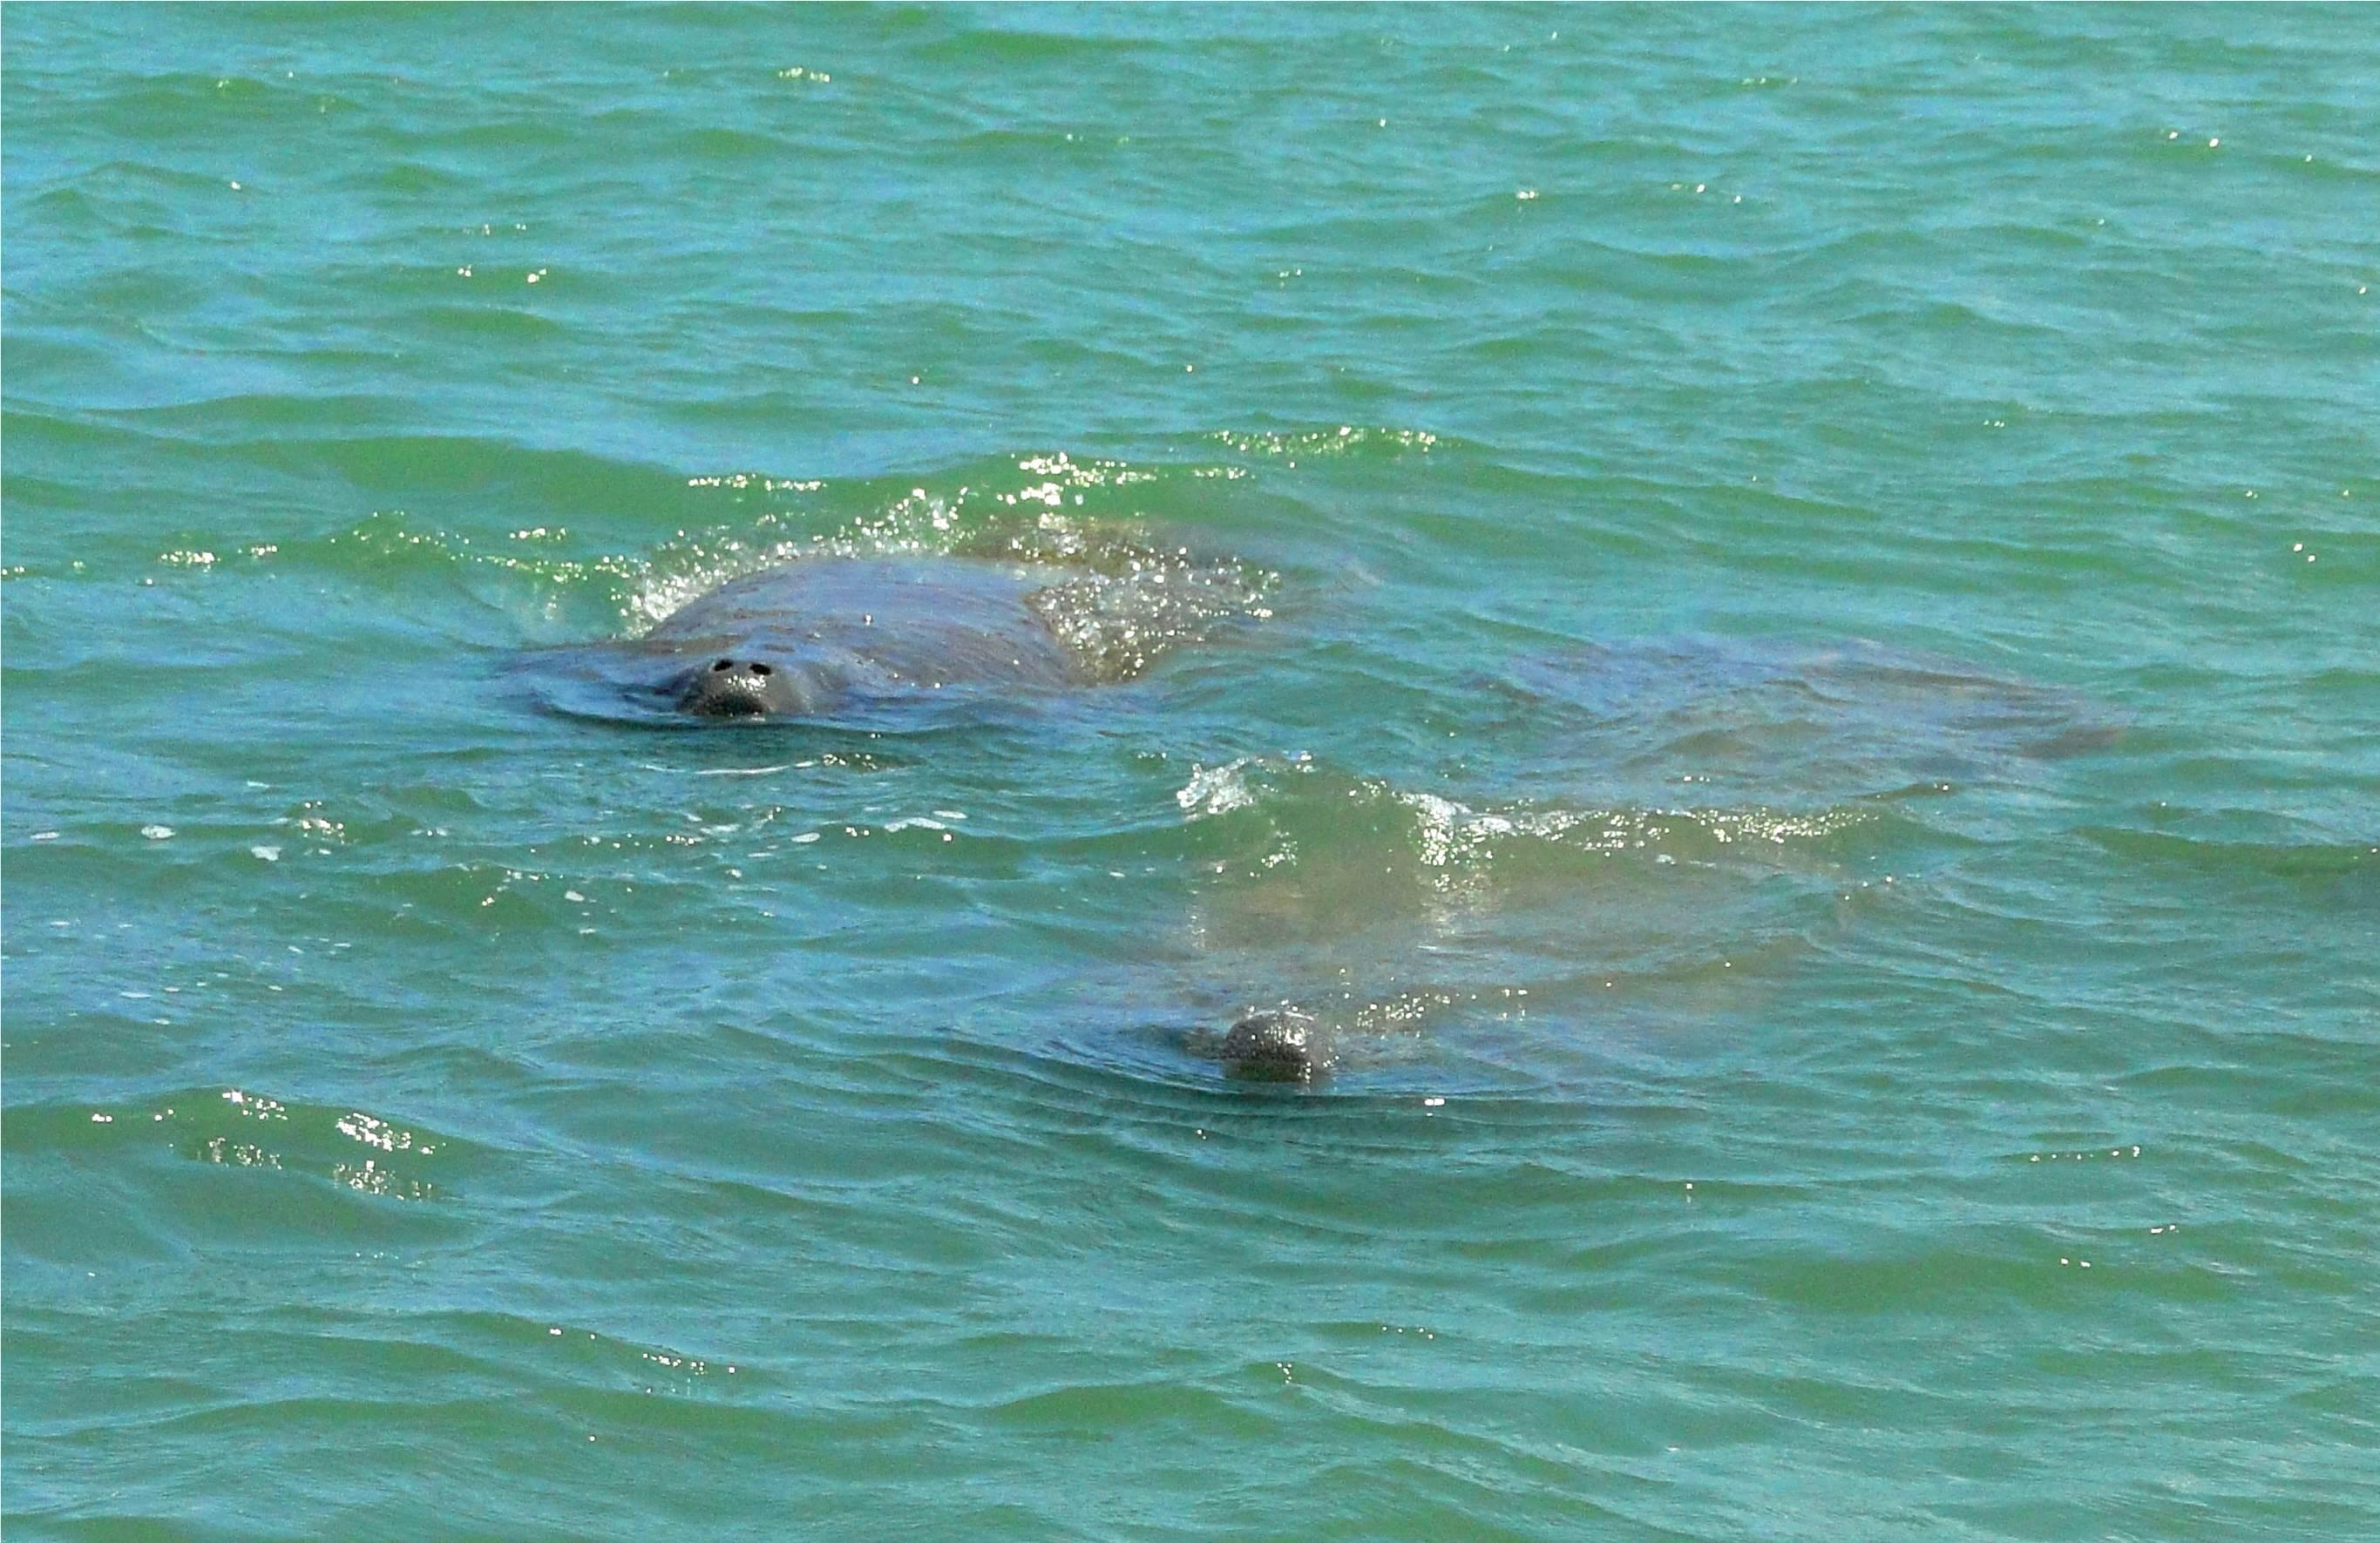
(1280, 1044)
(1642, 831)
(824, 637)
(1779, 721)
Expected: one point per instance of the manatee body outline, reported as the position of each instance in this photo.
(820, 638)
(1794, 739)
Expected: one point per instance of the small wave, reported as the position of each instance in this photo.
(1343, 440)
(355, 1149)
(2318, 862)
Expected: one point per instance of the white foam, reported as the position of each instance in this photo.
(1216, 790)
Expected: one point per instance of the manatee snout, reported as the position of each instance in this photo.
(727, 687)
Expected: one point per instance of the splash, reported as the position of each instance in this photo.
(1453, 842)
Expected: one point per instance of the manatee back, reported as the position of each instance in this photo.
(847, 639)
(894, 621)
(1788, 721)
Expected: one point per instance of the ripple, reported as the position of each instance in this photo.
(1704, 979)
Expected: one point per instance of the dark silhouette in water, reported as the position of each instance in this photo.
(1281, 1044)
(1686, 817)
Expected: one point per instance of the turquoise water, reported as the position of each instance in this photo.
(1769, 616)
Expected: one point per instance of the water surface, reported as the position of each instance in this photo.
(1779, 639)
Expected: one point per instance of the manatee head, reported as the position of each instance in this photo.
(1283, 1045)
(742, 686)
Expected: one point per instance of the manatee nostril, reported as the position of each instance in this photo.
(722, 664)
(760, 669)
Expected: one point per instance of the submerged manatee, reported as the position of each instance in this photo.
(1636, 833)
(825, 636)
(1791, 723)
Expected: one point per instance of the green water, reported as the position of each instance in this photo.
(1784, 659)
